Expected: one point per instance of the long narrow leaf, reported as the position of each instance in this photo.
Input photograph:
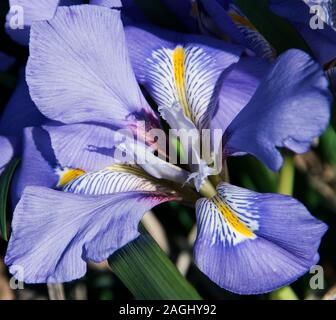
(148, 273)
(5, 181)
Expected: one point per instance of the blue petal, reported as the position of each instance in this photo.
(38, 163)
(33, 10)
(6, 153)
(290, 108)
(75, 55)
(85, 146)
(255, 243)
(117, 178)
(217, 13)
(93, 147)
(231, 22)
(237, 89)
(55, 233)
(156, 67)
(107, 3)
(321, 41)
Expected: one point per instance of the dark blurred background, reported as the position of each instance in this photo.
(314, 185)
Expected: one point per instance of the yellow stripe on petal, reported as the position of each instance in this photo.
(241, 20)
(67, 175)
(187, 77)
(255, 39)
(232, 218)
(179, 77)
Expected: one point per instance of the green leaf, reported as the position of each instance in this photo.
(148, 273)
(5, 181)
(276, 30)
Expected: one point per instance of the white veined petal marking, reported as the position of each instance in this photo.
(228, 219)
(187, 75)
(110, 180)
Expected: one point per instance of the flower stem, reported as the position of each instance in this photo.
(207, 189)
(286, 177)
(56, 291)
(286, 186)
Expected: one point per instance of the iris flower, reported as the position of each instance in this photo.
(322, 42)
(223, 19)
(263, 117)
(20, 111)
(79, 202)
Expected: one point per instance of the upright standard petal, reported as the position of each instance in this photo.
(72, 229)
(79, 63)
(252, 243)
(183, 69)
(6, 152)
(290, 108)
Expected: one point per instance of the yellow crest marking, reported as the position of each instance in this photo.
(68, 175)
(241, 20)
(179, 77)
(232, 218)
